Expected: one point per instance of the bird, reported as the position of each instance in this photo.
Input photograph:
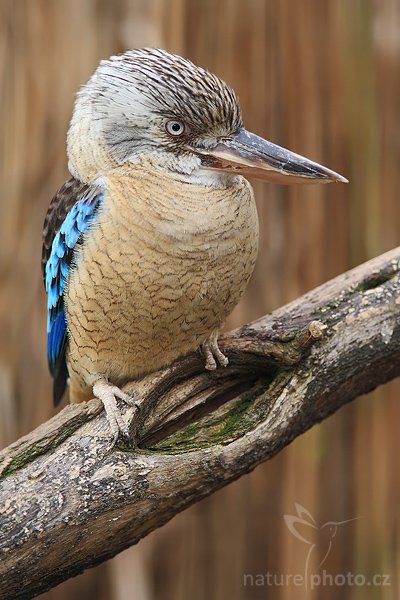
(151, 242)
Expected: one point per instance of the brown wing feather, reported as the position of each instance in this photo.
(61, 204)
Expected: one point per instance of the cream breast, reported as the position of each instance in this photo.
(162, 266)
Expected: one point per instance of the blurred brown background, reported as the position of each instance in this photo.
(323, 79)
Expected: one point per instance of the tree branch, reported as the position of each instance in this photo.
(69, 501)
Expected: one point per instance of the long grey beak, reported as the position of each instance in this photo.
(250, 155)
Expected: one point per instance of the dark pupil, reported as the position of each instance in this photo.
(176, 127)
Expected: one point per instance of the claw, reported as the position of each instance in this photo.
(107, 393)
(213, 354)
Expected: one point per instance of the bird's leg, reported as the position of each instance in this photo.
(107, 393)
(212, 353)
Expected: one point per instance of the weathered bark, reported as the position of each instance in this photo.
(69, 501)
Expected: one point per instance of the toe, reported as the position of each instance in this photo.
(122, 426)
(210, 365)
(124, 397)
(222, 359)
(212, 355)
(108, 393)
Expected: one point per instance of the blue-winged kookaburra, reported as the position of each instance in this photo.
(150, 244)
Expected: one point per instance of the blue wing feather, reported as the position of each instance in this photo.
(57, 268)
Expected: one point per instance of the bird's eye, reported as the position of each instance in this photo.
(175, 128)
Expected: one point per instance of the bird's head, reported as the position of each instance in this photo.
(151, 106)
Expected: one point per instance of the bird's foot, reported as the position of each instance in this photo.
(107, 393)
(213, 354)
